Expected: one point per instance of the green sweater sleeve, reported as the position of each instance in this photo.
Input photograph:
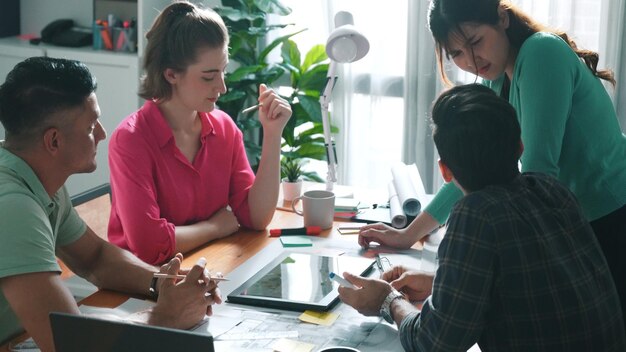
(542, 91)
(440, 207)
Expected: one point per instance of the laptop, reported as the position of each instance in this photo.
(74, 333)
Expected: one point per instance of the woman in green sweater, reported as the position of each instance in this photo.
(569, 125)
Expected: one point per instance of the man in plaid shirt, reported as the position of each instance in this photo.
(519, 267)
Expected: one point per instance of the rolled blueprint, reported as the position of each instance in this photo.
(398, 219)
(407, 192)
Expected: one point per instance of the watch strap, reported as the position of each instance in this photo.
(385, 308)
(152, 291)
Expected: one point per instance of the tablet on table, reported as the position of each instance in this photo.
(298, 281)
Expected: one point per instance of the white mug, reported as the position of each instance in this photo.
(318, 208)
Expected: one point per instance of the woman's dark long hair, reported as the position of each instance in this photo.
(446, 16)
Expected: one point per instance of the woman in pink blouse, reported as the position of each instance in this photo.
(179, 172)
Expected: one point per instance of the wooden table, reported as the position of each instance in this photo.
(222, 255)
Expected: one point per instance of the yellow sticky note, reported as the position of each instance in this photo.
(286, 345)
(319, 318)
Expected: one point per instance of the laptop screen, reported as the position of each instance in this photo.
(74, 333)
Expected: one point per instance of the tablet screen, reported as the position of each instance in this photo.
(298, 281)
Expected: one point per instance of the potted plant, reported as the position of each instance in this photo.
(291, 178)
(305, 73)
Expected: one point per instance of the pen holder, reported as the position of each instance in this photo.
(125, 39)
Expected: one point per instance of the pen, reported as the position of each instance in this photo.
(340, 280)
(252, 108)
(180, 277)
(308, 230)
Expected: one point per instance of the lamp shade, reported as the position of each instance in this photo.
(345, 43)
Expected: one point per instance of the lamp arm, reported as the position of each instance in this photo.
(325, 97)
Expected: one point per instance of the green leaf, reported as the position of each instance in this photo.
(275, 43)
(236, 15)
(290, 53)
(316, 55)
(311, 176)
(317, 129)
(232, 95)
(249, 123)
(315, 78)
(273, 6)
(313, 151)
(312, 107)
(243, 71)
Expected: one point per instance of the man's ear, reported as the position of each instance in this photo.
(446, 173)
(503, 14)
(521, 149)
(51, 140)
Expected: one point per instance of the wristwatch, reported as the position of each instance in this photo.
(385, 308)
(152, 291)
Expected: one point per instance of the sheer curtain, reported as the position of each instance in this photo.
(613, 50)
(368, 102)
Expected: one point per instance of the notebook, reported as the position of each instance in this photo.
(74, 333)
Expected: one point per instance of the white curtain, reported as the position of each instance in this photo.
(368, 101)
(421, 86)
(613, 50)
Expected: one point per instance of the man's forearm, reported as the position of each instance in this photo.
(405, 315)
(119, 270)
(400, 308)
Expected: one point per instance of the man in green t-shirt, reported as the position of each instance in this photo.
(50, 113)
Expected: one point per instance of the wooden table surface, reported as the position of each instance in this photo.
(222, 255)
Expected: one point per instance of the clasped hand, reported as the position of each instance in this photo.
(184, 303)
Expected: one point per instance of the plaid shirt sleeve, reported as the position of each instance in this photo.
(453, 317)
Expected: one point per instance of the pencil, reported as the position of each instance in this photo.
(180, 277)
(250, 109)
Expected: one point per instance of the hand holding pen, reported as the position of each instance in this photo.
(274, 111)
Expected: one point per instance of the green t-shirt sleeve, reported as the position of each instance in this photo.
(440, 207)
(71, 226)
(26, 236)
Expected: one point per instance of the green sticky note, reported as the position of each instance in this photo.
(296, 241)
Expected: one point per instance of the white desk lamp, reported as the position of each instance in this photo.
(345, 44)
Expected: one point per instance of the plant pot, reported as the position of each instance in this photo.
(291, 190)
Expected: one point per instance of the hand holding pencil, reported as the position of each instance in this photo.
(274, 111)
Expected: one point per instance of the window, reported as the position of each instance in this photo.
(368, 103)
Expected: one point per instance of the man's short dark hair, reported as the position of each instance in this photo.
(477, 135)
(39, 87)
